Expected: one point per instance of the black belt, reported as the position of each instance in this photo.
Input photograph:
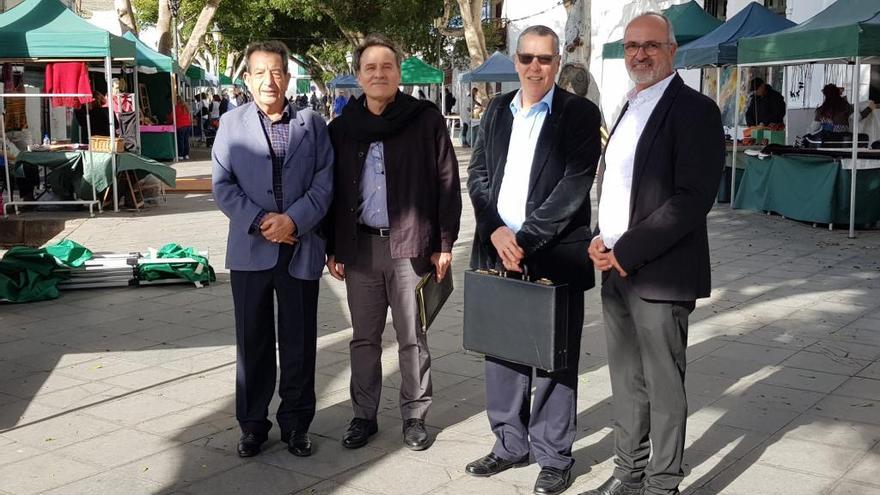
(384, 232)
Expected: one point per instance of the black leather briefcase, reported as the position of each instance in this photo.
(522, 321)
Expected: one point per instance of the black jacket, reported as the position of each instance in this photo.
(556, 231)
(767, 109)
(677, 170)
(424, 189)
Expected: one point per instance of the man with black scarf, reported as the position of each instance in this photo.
(396, 213)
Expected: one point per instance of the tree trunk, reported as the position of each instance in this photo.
(126, 16)
(471, 15)
(242, 66)
(575, 75)
(231, 57)
(163, 28)
(198, 33)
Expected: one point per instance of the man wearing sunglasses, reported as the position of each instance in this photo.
(529, 180)
(657, 181)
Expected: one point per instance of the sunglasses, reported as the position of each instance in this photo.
(526, 58)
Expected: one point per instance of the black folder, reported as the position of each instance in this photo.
(431, 295)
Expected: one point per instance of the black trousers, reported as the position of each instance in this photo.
(545, 426)
(647, 341)
(252, 294)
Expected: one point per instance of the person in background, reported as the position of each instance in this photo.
(224, 104)
(422, 95)
(834, 114)
(184, 129)
(450, 101)
(313, 101)
(767, 106)
(339, 103)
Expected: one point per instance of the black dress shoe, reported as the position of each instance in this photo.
(299, 444)
(552, 481)
(359, 432)
(492, 464)
(249, 444)
(614, 486)
(414, 434)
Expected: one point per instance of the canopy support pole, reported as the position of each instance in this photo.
(735, 136)
(718, 86)
(856, 75)
(6, 164)
(137, 107)
(173, 78)
(785, 99)
(92, 160)
(111, 102)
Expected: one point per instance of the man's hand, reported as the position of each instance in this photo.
(278, 228)
(441, 262)
(337, 270)
(505, 244)
(603, 258)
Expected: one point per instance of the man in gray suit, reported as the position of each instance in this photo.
(273, 178)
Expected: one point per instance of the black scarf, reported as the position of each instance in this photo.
(366, 127)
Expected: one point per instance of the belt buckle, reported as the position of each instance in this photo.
(384, 232)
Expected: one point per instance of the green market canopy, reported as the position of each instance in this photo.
(689, 21)
(47, 29)
(845, 30)
(415, 71)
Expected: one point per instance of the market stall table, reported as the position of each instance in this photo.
(811, 188)
(158, 142)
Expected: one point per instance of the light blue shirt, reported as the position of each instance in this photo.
(524, 134)
(373, 210)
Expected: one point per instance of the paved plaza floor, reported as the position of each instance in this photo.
(130, 390)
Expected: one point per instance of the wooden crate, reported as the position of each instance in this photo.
(102, 144)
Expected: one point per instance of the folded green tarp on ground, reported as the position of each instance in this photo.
(29, 274)
(200, 271)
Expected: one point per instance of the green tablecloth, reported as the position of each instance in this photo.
(76, 171)
(809, 188)
(159, 145)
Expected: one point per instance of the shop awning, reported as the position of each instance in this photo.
(414, 71)
(147, 57)
(689, 21)
(496, 68)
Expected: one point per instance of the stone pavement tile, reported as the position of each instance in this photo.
(109, 483)
(827, 363)
(470, 485)
(866, 469)
(332, 421)
(707, 385)
(170, 332)
(444, 340)
(334, 488)
(470, 392)
(476, 428)
(833, 431)
(26, 387)
(25, 347)
(159, 354)
(707, 438)
(326, 358)
(44, 472)
(865, 388)
(80, 396)
(746, 416)
(872, 371)
(805, 456)
(848, 408)
(329, 458)
(180, 315)
(700, 468)
(796, 378)
(465, 364)
(846, 349)
(745, 477)
(142, 378)
(194, 391)
(853, 488)
(399, 475)
(113, 343)
(254, 478)
(453, 450)
(185, 298)
(190, 424)
(771, 336)
(13, 451)
(753, 353)
(731, 369)
(135, 409)
(101, 368)
(855, 334)
(770, 396)
(24, 412)
(117, 447)
(213, 321)
(180, 466)
(224, 358)
(59, 432)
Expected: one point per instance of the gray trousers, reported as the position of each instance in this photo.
(647, 341)
(374, 283)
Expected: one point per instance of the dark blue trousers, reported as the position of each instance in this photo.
(254, 294)
(545, 425)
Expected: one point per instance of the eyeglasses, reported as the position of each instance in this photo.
(650, 47)
(526, 58)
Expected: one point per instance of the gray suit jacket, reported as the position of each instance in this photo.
(242, 182)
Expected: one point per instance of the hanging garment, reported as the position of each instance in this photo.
(68, 77)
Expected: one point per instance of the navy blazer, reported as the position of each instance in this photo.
(242, 182)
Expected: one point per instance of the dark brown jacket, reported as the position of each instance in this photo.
(424, 191)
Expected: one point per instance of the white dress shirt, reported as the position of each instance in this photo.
(524, 134)
(619, 158)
